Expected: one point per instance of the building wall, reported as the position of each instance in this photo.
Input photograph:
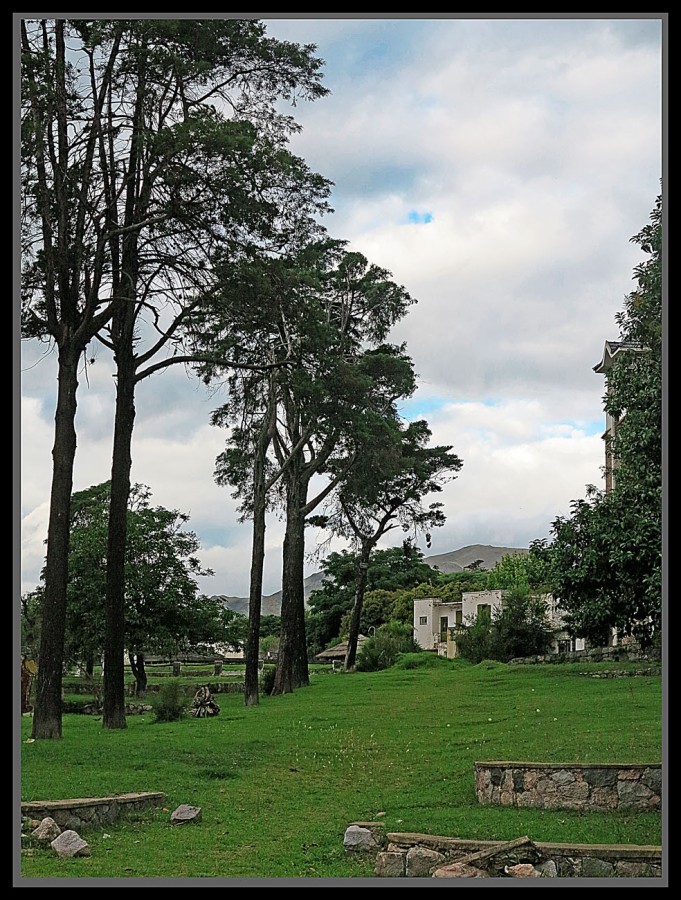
(473, 600)
(427, 634)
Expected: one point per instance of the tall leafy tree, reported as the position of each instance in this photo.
(165, 612)
(392, 573)
(338, 381)
(606, 557)
(256, 312)
(145, 143)
(67, 295)
(320, 309)
(385, 489)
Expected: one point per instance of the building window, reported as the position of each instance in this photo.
(444, 622)
(484, 612)
(423, 620)
(459, 617)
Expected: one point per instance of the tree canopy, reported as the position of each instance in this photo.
(605, 558)
(165, 611)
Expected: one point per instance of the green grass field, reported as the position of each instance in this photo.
(279, 783)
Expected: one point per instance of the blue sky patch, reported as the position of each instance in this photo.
(419, 218)
(417, 408)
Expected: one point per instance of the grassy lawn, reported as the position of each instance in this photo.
(279, 783)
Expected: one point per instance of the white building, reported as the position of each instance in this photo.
(435, 621)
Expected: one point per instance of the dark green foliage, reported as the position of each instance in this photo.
(171, 702)
(267, 677)
(474, 642)
(391, 572)
(383, 648)
(165, 613)
(605, 559)
(520, 628)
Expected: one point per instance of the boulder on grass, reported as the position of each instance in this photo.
(185, 813)
(70, 843)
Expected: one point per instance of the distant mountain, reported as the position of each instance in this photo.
(457, 560)
(454, 561)
(271, 604)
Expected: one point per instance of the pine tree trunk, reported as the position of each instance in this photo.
(251, 693)
(47, 721)
(114, 641)
(362, 572)
(292, 669)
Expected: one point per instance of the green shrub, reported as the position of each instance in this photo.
(385, 645)
(474, 642)
(267, 679)
(171, 702)
(419, 660)
(520, 628)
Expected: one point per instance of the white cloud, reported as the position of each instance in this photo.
(536, 146)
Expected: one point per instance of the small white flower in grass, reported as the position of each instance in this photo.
(537, 710)
(490, 719)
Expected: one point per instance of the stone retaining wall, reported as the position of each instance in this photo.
(630, 651)
(632, 788)
(90, 812)
(420, 855)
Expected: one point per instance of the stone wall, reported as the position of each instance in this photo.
(632, 788)
(91, 812)
(631, 651)
(400, 855)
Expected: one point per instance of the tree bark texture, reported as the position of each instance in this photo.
(47, 722)
(292, 669)
(362, 572)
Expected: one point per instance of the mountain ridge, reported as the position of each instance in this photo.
(446, 563)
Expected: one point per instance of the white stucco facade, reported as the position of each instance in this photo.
(432, 619)
(435, 619)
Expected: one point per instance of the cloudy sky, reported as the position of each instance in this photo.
(498, 168)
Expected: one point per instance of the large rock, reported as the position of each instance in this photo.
(47, 831)
(70, 843)
(522, 870)
(421, 862)
(185, 813)
(459, 870)
(359, 840)
(596, 868)
(390, 864)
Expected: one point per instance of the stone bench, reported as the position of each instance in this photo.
(90, 812)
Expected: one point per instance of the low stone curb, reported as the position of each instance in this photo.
(90, 812)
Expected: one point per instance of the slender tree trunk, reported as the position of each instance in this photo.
(47, 721)
(251, 695)
(139, 673)
(114, 641)
(362, 571)
(90, 667)
(292, 669)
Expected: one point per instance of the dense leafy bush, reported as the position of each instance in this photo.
(171, 702)
(382, 649)
(521, 628)
(267, 679)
